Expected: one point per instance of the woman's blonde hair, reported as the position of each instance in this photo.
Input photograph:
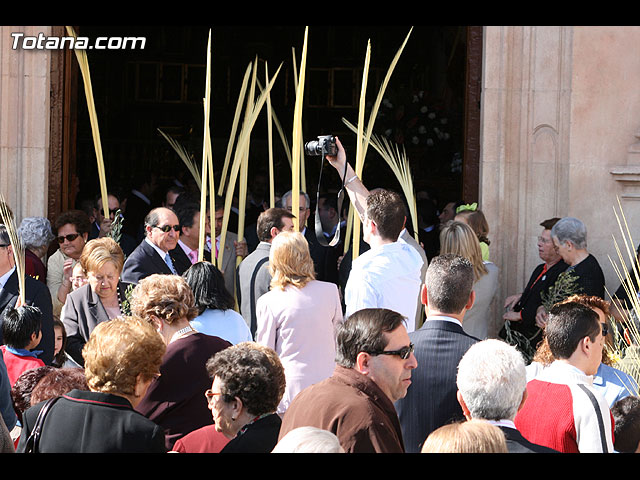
(290, 262)
(118, 351)
(99, 251)
(472, 436)
(167, 297)
(459, 239)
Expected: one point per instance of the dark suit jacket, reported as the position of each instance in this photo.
(37, 294)
(92, 422)
(516, 443)
(145, 261)
(325, 259)
(82, 311)
(431, 400)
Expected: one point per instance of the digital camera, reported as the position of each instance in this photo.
(325, 145)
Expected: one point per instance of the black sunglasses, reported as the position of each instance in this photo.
(403, 353)
(605, 329)
(167, 228)
(71, 237)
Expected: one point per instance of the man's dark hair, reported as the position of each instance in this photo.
(386, 209)
(449, 281)
(568, 324)
(207, 284)
(4, 235)
(549, 223)
(19, 324)
(77, 218)
(185, 211)
(626, 417)
(363, 332)
(270, 218)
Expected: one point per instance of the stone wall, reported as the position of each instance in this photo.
(560, 119)
(24, 123)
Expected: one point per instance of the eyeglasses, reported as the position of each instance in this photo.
(71, 237)
(544, 240)
(209, 395)
(403, 353)
(4, 245)
(605, 329)
(168, 228)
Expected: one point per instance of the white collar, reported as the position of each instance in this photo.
(503, 423)
(444, 318)
(161, 252)
(5, 277)
(141, 196)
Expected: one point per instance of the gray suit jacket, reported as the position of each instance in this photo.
(229, 262)
(261, 280)
(81, 313)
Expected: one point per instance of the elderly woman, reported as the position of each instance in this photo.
(100, 299)
(121, 360)
(216, 314)
(458, 238)
(36, 235)
(71, 231)
(175, 401)
(248, 383)
(298, 316)
(569, 237)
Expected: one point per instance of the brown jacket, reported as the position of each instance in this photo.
(351, 406)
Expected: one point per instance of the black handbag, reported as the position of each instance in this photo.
(31, 445)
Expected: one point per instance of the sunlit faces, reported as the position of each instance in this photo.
(71, 248)
(58, 339)
(218, 217)
(598, 344)
(546, 248)
(221, 411)
(6, 258)
(390, 372)
(104, 281)
(561, 249)
(78, 277)
(165, 240)
(303, 208)
(287, 224)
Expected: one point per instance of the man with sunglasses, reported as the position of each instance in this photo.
(563, 410)
(439, 345)
(162, 231)
(374, 365)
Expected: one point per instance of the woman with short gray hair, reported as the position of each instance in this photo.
(36, 235)
(569, 237)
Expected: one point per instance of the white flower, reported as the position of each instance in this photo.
(432, 115)
(423, 109)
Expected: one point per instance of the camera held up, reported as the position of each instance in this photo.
(325, 145)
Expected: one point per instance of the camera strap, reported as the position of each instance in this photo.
(320, 236)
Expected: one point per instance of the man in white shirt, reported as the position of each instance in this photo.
(387, 275)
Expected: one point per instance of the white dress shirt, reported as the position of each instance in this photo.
(387, 276)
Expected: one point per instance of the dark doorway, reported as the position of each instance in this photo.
(431, 104)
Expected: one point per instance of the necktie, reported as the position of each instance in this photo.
(168, 261)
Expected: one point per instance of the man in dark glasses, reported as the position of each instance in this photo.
(439, 345)
(375, 361)
(162, 231)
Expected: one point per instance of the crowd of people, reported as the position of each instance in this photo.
(131, 339)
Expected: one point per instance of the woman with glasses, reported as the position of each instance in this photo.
(248, 383)
(298, 316)
(101, 299)
(121, 359)
(175, 401)
(71, 230)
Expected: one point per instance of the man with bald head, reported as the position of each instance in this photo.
(162, 231)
